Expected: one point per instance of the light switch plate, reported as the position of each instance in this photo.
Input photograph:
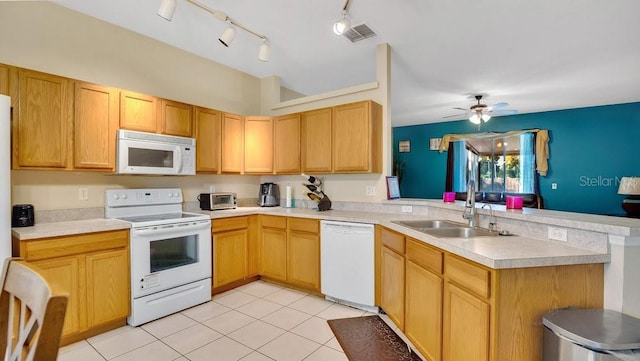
(371, 190)
(83, 194)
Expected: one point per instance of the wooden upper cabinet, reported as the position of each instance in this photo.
(258, 144)
(232, 143)
(208, 134)
(95, 124)
(357, 138)
(315, 140)
(176, 118)
(43, 124)
(138, 111)
(4, 79)
(287, 144)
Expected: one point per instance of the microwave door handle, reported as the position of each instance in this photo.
(178, 151)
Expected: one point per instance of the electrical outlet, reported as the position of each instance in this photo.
(371, 190)
(212, 188)
(407, 209)
(554, 185)
(557, 234)
(83, 194)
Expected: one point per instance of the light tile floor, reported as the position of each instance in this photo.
(259, 321)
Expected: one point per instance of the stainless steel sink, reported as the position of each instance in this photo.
(428, 224)
(445, 229)
(460, 232)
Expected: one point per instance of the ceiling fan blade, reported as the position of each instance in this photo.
(496, 113)
(455, 115)
(498, 105)
(463, 109)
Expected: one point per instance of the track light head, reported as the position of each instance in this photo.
(265, 51)
(342, 25)
(167, 9)
(227, 36)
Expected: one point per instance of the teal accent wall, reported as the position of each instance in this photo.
(590, 150)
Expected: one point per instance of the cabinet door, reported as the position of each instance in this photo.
(392, 285)
(44, 127)
(138, 112)
(357, 138)
(229, 257)
(63, 273)
(95, 124)
(287, 144)
(303, 259)
(258, 145)
(466, 326)
(108, 285)
(274, 253)
(208, 132)
(315, 140)
(423, 323)
(176, 118)
(232, 143)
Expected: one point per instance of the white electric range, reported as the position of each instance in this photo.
(170, 251)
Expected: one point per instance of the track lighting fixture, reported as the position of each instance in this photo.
(265, 51)
(168, 7)
(227, 35)
(343, 24)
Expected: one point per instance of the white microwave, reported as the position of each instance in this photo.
(155, 154)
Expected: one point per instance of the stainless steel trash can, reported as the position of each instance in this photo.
(590, 335)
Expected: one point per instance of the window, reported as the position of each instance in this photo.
(497, 164)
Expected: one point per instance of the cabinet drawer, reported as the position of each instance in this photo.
(392, 240)
(303, 224)
(274, 222)
(471, 276)
(424, 256)
(71, 245)
(228, 224)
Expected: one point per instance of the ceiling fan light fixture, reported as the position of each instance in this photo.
(342, 25)
(485, 117)
(475, 119)
(265, 51)
(167, 9)
(227, 36)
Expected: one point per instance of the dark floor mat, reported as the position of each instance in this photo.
(369, 338)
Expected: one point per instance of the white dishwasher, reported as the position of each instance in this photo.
(347, 263)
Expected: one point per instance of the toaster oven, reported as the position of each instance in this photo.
(217, 201)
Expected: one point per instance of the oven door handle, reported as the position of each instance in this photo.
(182, 227)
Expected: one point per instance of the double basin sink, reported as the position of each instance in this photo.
(446, 229)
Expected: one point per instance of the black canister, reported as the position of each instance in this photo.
(22, 216)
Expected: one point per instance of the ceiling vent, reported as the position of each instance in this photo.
(359, 32)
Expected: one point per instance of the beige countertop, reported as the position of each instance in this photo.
(495, 252)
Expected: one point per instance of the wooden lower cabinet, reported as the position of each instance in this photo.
(423, 305)
(466, 326)
(392, 273)
(274, 247)
(291, 251)
(94, 270)
(454, 309)
(231, 250)
(303, 253)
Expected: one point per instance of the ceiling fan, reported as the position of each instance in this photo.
(482, 113)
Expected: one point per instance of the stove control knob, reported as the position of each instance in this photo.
(176, 194)
(116, 196)
(124, 196)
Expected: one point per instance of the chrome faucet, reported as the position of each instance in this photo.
(493, 221)
(470, 212)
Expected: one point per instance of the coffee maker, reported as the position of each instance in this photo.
(269, 195)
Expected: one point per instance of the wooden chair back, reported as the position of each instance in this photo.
(31, 314)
